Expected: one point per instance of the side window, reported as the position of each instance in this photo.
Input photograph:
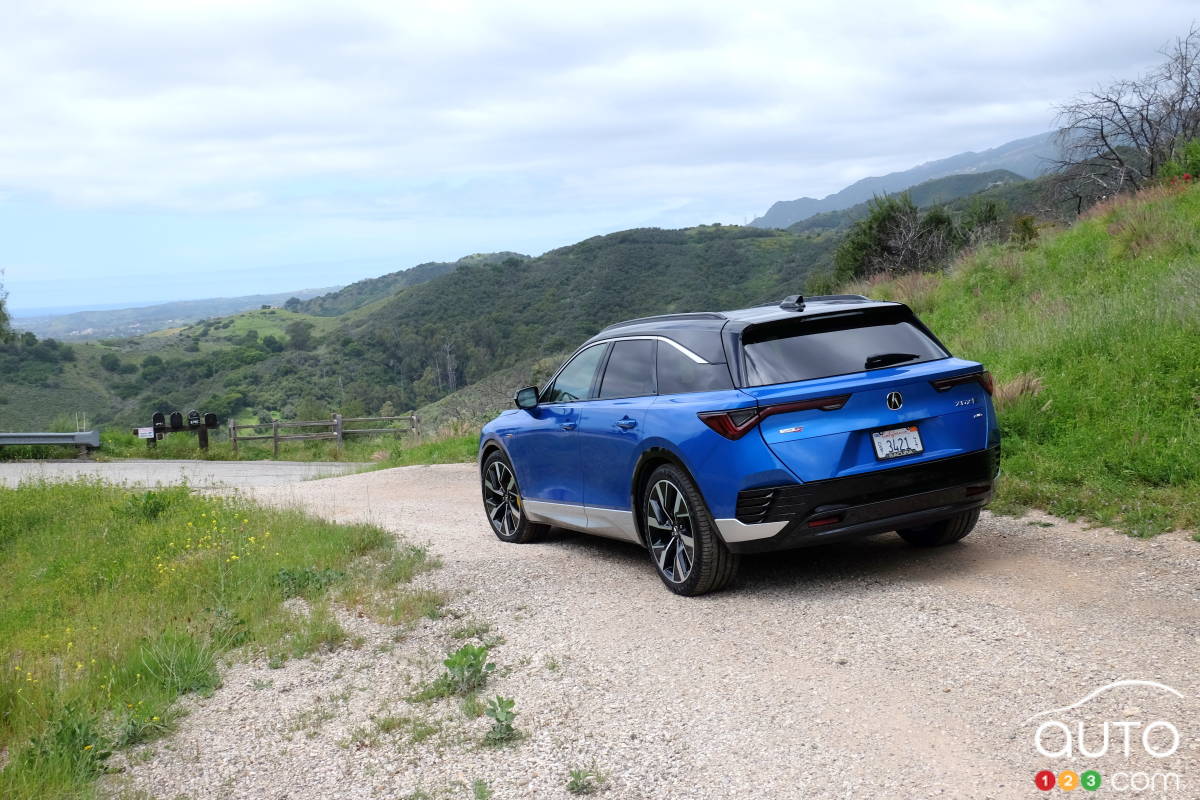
(630, 370)
(575, 380)
(678, 374)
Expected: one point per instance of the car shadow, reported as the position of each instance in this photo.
(866, 562)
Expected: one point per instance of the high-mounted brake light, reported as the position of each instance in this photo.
(736, 423)
(984, 379)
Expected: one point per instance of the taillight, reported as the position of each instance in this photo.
(734, 424)
(984, 379)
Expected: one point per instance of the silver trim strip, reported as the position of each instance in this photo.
(564, 514)
(613, 523)
(734, 530)
(610, 522)
(693, 356)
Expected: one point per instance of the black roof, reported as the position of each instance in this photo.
(697, 330)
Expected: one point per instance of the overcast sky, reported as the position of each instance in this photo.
(162, 150)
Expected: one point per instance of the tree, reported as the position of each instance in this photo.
(292, 304)
(896, 237)
(5, 330)
(299, 334)
(1118, 137)
(110, 362)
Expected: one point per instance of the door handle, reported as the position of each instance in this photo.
(567, 426)
(626, 423)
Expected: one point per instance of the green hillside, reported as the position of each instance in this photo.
(1093, 336)
(365, 292)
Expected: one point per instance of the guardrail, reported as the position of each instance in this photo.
(82, 439)
(337, 430)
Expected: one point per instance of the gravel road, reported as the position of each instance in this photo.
(867, 669)
(161, 471)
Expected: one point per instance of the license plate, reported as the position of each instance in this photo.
(897, 442)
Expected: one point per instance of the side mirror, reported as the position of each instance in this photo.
(526, 398)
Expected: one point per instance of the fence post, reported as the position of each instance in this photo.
(337, 430)
(275, 438)
(412, 424)
(233, 436)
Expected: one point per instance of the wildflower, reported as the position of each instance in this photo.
(1187, 176)
(87, 747)
(154, 719)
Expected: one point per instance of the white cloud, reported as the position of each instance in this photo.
(458, 112)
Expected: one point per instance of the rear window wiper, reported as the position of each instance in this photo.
(888, 359)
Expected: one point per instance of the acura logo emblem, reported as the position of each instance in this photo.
(894, 401)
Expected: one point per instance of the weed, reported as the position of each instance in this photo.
(259, 684)
(413, 604)
(585, 780)
(500, 709)
(467, 668)
(474, 630)
(480, 790)
(179, 663)
(552, 664)
(306, 581)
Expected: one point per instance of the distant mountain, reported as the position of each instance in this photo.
(368, 291)
(938, 191)
(1028, 157)
(110, 323)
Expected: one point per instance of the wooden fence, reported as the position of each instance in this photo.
(336, 426)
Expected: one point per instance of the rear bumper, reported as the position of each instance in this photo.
(799, 515)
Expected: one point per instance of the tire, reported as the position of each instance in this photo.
(943, 532)
(704, 567)
(503, 505)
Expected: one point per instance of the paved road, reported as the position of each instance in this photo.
(860, 670)
(152, 472)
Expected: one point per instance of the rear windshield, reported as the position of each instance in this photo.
(818, 347)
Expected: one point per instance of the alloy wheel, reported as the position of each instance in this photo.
(669, 531)
(501, 498)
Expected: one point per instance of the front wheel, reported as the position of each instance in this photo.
(946, 531)
(503, 505)
(682, 538)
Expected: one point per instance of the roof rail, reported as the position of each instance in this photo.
(665, 318)
(834, 298)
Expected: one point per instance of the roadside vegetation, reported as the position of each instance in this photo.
(1092, 335)
(115, 603)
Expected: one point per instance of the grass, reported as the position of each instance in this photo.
(585, 780)
(116, 602)
(1092, 336)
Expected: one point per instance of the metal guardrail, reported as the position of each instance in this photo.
(82, 438)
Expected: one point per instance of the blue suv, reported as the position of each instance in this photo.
(704, 436)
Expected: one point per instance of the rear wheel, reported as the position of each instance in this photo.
(681, 536)
(503, 505)
(946, 531)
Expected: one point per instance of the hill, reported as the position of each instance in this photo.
(109, 323)
(1091, 335)
(1026, 157)
(365, 292)
(938, 191)
(418, 344)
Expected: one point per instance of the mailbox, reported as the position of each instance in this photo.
(158, 420)
(210, 420)
(193, 418)
(176, 420)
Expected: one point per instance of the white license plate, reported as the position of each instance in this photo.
(897, 442)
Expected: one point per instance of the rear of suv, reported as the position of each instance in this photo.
(705, 436)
